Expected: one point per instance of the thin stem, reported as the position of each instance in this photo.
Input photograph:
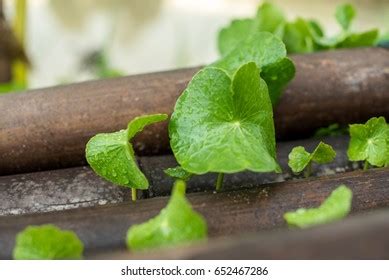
(19, 68)
(308, 170)
(366, 165)
(133, 194)
(219, 182)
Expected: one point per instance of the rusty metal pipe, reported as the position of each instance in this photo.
(229, 213)
(76, 187)
(48, 128)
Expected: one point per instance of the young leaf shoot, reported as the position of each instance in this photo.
(112, 157)
(300, 159)
(176, 224)
(178, 173)
(268, 18)
(344, 15)
(47, 242)
(369, 142)
(223, 124)
(334, 208)
(300, 35)
(269, 53)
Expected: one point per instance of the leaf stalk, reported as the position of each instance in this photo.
(219, 182)
(133, 194)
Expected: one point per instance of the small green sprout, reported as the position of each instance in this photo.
(334, 208)
(47, 242)
(223, 124)
(176, 224)
(332, 130)
(178, 173)
(112, 157)
(345, 14)
(300, 159)
(370, 142)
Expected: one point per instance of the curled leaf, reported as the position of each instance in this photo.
(335, 207)
(176, 224)
(299, 158)
(178, 173)
(112, 157)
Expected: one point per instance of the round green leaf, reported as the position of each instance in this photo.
(47, 242)
(220, 125)
(369, 141)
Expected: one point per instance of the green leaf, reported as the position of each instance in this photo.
(299, 158)
(269, 53)
(178, 173)
(224, 125)
(344, 15)
(369, 142)
(298, 37)
(112, 157)
(176, 224)
(229, 37)
(269, 18)
(11, 87)
(364, 39)
(47, 242)
(331, 130)
(334, 208)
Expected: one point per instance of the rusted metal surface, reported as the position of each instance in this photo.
(363, 236)
(79, 187)
(229, 213)
(48, 128)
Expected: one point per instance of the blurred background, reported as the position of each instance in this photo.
(75, 40)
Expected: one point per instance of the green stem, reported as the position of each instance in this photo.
(366, 165)
(19, 68)
(133, 194)
(308, 170)
(219, 182)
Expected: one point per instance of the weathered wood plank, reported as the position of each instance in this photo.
(79, 187)
(229, 213)
(48, 128)
(363, 236)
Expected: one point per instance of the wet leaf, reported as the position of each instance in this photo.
(112, 157)
(224, 124)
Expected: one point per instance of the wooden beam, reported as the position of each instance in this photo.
(359, 237)
(229, 213)
(80, 187)
(48, 128)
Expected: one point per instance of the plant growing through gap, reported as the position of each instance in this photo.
(334, 208)
(47, 242)
(112, 157)
(300, 35)
(300, 159)
(369, 142)
(178, 173)
(224, 124)
(176, 224)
